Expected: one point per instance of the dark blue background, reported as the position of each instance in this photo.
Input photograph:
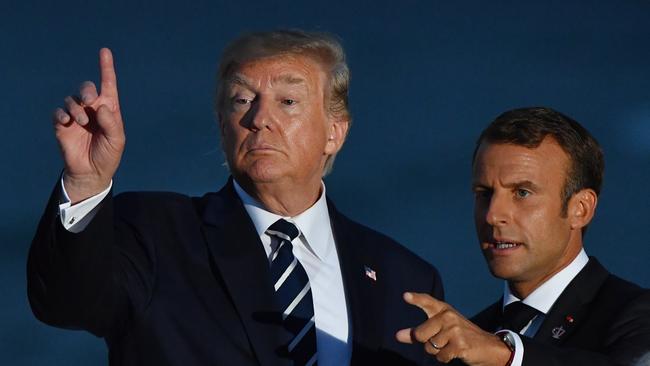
(426, 78)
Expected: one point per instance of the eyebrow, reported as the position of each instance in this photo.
(239, 79)
(518, 184)
(523, 184)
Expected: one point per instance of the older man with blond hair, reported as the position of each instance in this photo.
(265, 271)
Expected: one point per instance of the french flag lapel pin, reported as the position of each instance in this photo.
(370, 273)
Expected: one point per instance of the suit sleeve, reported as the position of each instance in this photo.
(437, 291)
(94, 280)
(626, 342)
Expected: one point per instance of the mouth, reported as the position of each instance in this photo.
(260, 148)
(501, 246)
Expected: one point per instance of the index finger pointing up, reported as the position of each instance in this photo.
(107, 71)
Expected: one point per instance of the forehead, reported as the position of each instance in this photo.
(284, 69)
(545, 163)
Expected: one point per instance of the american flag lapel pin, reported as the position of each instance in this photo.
(370, 273)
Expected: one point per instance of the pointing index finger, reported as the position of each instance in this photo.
(107, 71)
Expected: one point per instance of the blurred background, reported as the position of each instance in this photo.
(427, 76)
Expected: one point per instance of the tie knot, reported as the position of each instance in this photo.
(517, 315)
(283, 229)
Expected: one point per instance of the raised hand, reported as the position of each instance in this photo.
(447, 335)
(90, 133)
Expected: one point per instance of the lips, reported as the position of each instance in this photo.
(504, 244)
(501, 244)
(260, 147)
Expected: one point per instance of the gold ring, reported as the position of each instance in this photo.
(433, 344)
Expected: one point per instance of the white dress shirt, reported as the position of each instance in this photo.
(76, 217)
(543, 299)
(314, 248)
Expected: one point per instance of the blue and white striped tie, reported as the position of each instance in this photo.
(293, 295)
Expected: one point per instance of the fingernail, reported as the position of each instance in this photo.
(81, 119)
(85, 98)
(408, 296)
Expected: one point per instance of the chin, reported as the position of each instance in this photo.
(502, 271)
(264, 173)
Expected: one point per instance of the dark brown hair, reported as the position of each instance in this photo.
(530, 126)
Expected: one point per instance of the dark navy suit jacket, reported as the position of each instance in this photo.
(599, 319)
(167, 279)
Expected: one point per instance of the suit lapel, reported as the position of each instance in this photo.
(572, 305)
(240, 260)
(364, 295)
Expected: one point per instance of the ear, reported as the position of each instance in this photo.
(337, 131)
(581, 208)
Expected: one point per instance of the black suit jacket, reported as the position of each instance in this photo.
(167, 279)
(599, 319)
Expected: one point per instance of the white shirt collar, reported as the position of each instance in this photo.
(545, 295)
(313, 223)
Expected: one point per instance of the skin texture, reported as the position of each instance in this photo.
(517, 200)
(277, 133)
(90, 133)
(455, 336)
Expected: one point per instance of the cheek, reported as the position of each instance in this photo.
(544, 225)
(307, 135)
(231, 138)
(480, 209)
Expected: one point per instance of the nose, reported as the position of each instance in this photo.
(260, 115)
(497, 210)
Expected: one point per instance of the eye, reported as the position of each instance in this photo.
(242, 101)
(288, 101)
(522, 193)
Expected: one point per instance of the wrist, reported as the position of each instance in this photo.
(508, 340)
(81, 188)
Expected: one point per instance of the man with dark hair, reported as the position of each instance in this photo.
(536, 179)
(264, 272)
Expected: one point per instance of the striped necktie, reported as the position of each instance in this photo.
(293, 295)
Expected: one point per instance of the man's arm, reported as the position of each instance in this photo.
(72, 276)
(627, 339)
(68, 281)
(447, 335)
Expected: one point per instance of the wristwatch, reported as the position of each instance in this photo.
(507, 338)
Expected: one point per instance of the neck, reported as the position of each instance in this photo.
(523, 288)
(283, 199)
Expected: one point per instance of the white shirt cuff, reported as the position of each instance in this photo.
(519, 349)
(75, 218)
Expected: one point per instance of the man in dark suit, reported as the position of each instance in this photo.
(264, 272)
(536, 179)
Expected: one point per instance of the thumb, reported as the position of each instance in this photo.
(405, 335)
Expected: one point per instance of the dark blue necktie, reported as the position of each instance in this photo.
(293, 295)
(517, 315)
